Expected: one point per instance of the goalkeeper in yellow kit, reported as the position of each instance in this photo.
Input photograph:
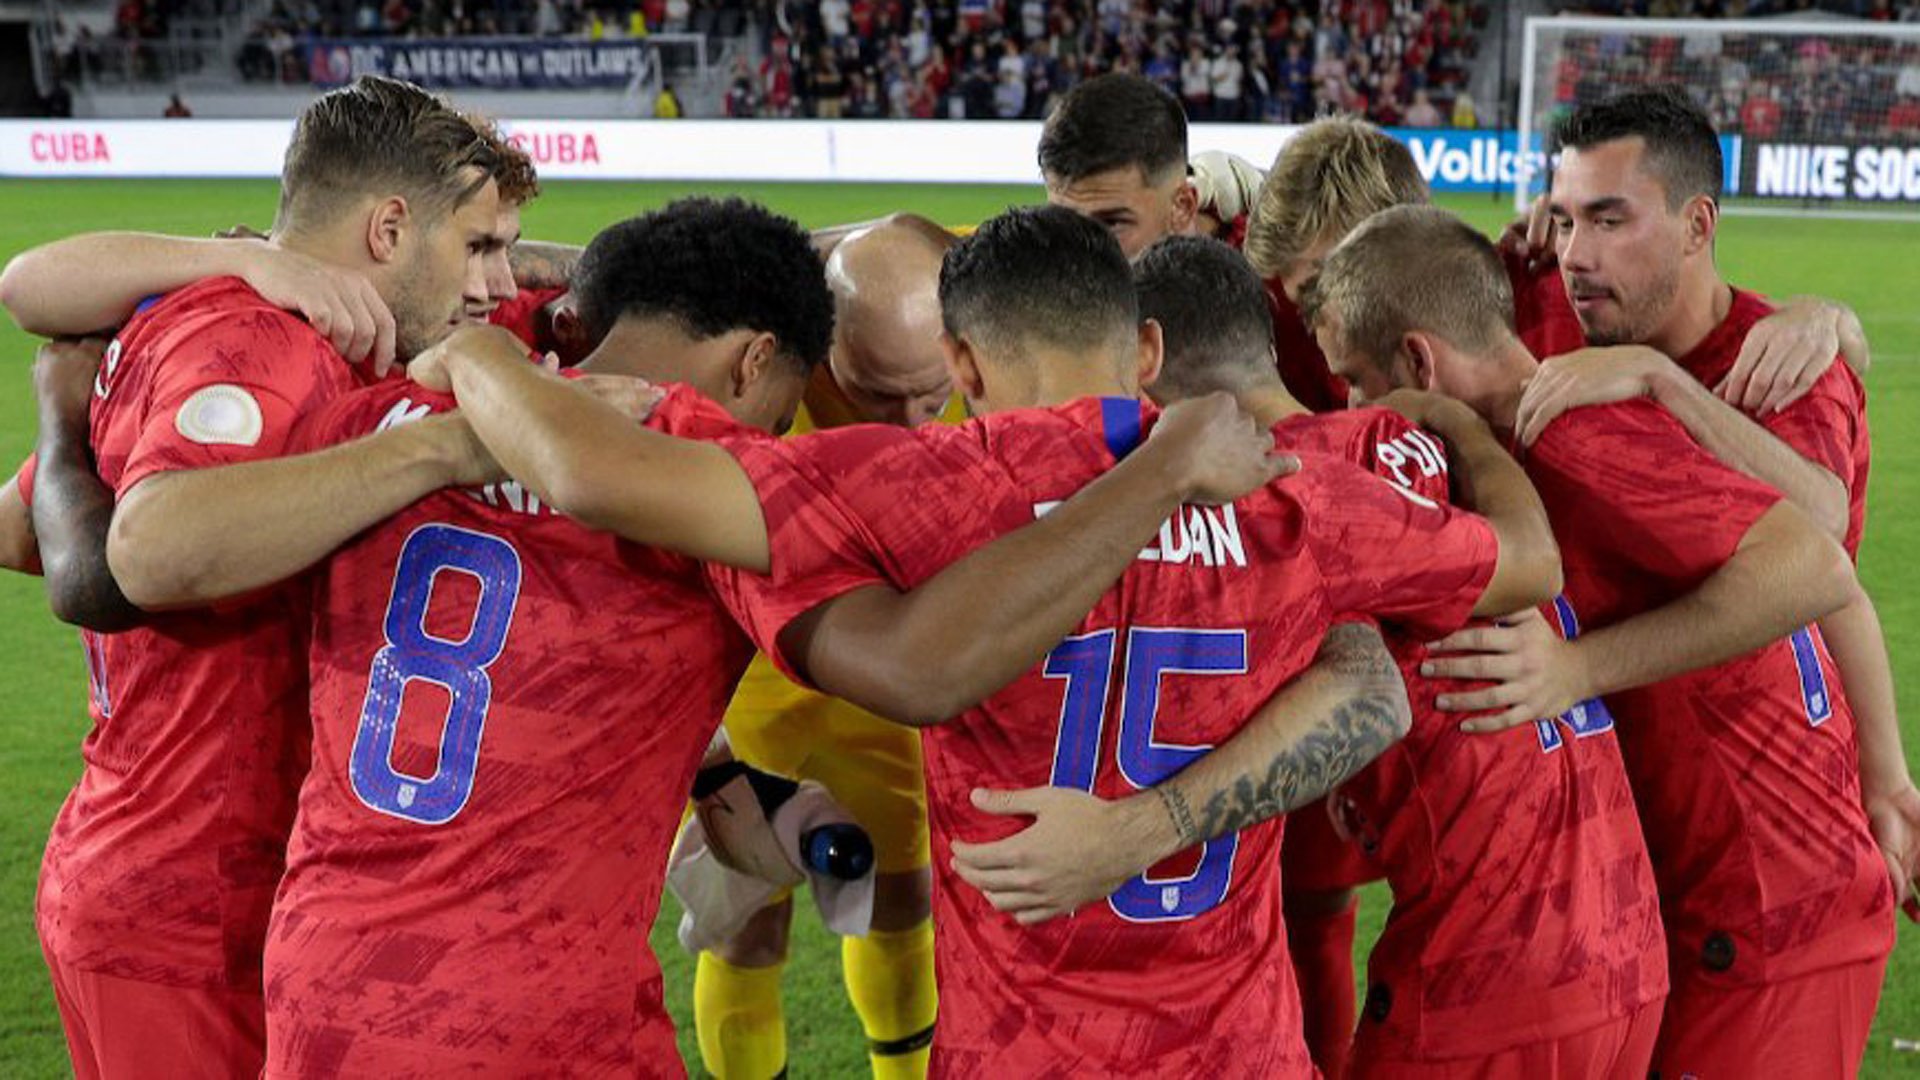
(886, 367)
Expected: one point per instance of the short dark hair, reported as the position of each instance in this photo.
(1212, 309)
(1412, 268)
(1039, 274)
(1682, 149)
(381, 137)
(713, 265)
(1111, 122)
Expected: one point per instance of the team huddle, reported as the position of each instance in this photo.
(1143, 572)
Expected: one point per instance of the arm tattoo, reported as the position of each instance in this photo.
(1358, 731)
(1178, 813)
(540, 265)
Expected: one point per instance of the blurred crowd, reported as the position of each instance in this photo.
(1808, 87)
(1397, 62)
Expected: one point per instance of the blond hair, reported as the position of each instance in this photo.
(1413, 268)
(1327, 179)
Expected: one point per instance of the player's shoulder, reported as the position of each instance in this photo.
(388, 403)
(223, 320)
(689, 414)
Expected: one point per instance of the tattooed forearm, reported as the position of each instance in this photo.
(540, 265)
(1356, 733)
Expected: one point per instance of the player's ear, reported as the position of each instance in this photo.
(385, 226)
(1416, 351)
(754, 362)
(568, 332)
(964, 367)
(1152, 352)
(1703, 223)
(1186, 208)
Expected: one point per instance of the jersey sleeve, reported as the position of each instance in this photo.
(855, 507)
(1823, 425)
(1543, 316)
(1649, 496)
(231, 389)
(23, 480)
(817, 552)
(1388, 553)
(520, 315)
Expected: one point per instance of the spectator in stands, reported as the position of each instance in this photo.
(666, 104)
(977, 82)
(1422, 114)
(1761, 115)
(1227, 74)
(1464, 115)
(1196, 82)
(1010, 96)
(829, 86)
(177, 109)
(743, 99)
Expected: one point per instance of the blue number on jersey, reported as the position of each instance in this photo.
(1813, 680)
(459, 666)
(1589, 717)
(1086, 663)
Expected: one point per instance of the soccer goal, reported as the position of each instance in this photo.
(1816, 117)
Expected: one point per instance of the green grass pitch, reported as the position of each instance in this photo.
(42, 706)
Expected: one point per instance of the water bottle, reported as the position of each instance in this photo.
(839, 851)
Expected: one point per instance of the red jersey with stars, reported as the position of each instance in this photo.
(508, 712)
(1183, 971)
(162, 862)
(521, 317)
(1827, 425)
(1524, 906)
(1745, 773)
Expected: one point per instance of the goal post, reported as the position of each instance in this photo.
(1816, 117)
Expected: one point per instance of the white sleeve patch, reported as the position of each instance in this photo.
(220, 414)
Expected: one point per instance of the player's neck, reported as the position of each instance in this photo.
(1269, 404)
(1497, 399)
(1699, 305)
(1063, 378)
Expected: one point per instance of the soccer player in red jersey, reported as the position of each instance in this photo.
(1273, 573)
(1115, 149)
(1472, 969)
(473, 874)
(1333, 173)
(154, 892)
(1688, 584)
(494, 855)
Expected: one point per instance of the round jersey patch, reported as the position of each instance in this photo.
(220, 414)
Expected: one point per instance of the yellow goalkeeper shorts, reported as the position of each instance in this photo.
(870, 765)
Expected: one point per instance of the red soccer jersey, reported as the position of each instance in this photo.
(1476, 833)
(1744, 773)
(1542, 313)
(1183, 971)
(162, 862)
(508, 712)
(1303, 367)
(521, 317)
(1827, 425)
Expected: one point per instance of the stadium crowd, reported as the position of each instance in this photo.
(1812, 87)
(1259, 60)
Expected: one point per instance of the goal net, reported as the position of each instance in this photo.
(1814, 116)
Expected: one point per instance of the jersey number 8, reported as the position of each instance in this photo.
(459, 666)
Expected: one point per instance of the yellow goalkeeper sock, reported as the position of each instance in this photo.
(890, 979)
(738, 1014)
